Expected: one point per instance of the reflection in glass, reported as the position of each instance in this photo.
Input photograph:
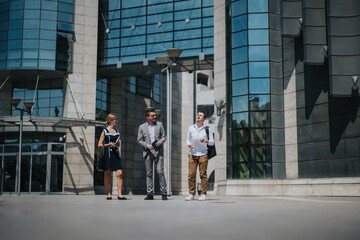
(258, 21)
(240, 154)
(260, 119)
(239, 39)
(238, 7)
(260, 136)
(240, 120)
(258, 6)
(259, 102)
(240, 136)
(56, 181)
(261, 153)
(239, 23)
(241, 171)
(260, 170)
(38, 179)
(240, 104)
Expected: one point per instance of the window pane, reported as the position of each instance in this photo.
(260, 136)
(259, 69)
(239, 39)
(258, 21)
(239, 55)
(240, 71)
(238, 8)
(240, 120)
(240, 87)
(261, 153)
(259, 85)
(258, 37)
(241, 171)
(240, 136)
(259, 102)
(240, 104)
(240, 154)
(258, 53)
(239, 23)
(260, 119)
(258, 6)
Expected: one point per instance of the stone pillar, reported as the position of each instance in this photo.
(290, 119)
(80, 145)
(220, 88)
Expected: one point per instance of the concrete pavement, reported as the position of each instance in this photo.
(221, 217)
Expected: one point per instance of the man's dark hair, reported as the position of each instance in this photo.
(147, 112)
(203, 113)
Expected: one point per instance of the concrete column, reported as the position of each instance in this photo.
(220, 88)
(78, 172)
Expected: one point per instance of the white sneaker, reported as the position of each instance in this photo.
(189, 197)
(202, 197)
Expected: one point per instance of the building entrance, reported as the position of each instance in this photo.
(42, 166)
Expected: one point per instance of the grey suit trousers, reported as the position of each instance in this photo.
(159, 166)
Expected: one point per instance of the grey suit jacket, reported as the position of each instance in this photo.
(144, 138)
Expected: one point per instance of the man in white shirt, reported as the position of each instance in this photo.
(197, 140)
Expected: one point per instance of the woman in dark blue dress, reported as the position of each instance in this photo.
(110, 141)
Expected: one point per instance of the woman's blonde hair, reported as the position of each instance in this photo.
(110, 118)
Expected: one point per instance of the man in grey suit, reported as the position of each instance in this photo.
(151, 136)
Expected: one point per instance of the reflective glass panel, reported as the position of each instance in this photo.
(240, 87)
(261, 153)
(260, 170)
(239, 39)
(240, 120)
(258, 37)
(38, 180)
(260, 136)
(239, 23)
(56, 181)
(258, 53)
(240, 136)
(238, 7)
(240, 104)
(9, 173)
(240, 71)
(260, 119)
(241, 171)
(259, 102)
(259, 85)
(259, 69)
(239, 55)
(258, 6)
(258, 21)
(240, 154)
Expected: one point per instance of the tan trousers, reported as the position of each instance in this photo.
(202, 161)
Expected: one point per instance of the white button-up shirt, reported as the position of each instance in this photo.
(152, 132)
(194, 134)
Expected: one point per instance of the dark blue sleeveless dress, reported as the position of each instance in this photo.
(112, 157)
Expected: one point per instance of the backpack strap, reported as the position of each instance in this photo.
(207, 131)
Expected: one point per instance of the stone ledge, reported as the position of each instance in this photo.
(297, 187)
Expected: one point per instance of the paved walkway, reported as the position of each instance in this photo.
(219, 218)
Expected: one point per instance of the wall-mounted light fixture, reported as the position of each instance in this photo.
(219, 105)
(158, 113)
(355, 86)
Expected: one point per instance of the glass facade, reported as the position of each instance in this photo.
(102, 98)
(146, 28)
(36, 34)
(49, 97)
(249, 114)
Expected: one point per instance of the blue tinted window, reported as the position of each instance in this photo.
(239, 55)
(239, 39)
(45, 34)
(32, 4)
(156, 9)
(44, 54)
(258, 21)
(31, 24)
(239, 71)
(17, 14)
(208, 12)
(30, 43)
(15, 24)
(47, 64)
(258, 53)
(240, 87)
(13, 63)
(14, 44)
(258, 6)
(49, 15)
(14, 54)
(181, 5)
(32, 14)
(50, 5)
(27, 63)
(50, 25)
(258, 37)
(207, 22)
(16, 4)
(66, 27)
(33, 33)
(46, 44)
(15, 34)
(259, 85)
(64, 7)
(239, 23)
(238, 8)
(180, 25)
(193, 13)
(259, 69)
(131, 3)
(30, 53)
(240, 104)
(2, 55)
